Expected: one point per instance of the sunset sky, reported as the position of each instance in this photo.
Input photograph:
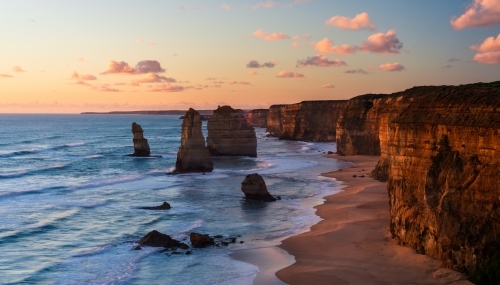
(95, 55)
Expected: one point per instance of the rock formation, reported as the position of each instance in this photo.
(258, 118)
(201, 240)
(306, 121)
(157, 239)
(164, 206)
(141, 146)
(442, 160)
(193, 156)
(255, 188)
(229, 134)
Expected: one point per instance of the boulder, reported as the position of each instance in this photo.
(164, 206)
(193, 156)
(255, 188)
(157, 239)
(141, 146)
(229, 134)
(201, 240)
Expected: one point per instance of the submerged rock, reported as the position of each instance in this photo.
(201, 240)
(229, 134)
(164, 206)
(141, 146)
(193, 156)
(157, 239)
(255, 188)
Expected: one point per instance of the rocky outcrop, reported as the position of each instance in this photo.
(443, 157)
(164, 206)
(306, 121)
(255, 188)
(157, 239)
(258, 118)
(201, 240)
(193, 156)
(202, 117)
(229, 134)
(141, 146)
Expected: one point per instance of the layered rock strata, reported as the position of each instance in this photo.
(229, 134)
(258, 118)
(443, 161)
(306, 121)
(141, 146)
(193, 156)
(255, 188)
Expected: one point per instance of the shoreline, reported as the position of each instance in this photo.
(352, 243)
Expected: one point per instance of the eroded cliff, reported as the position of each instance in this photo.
(305, 121)
(443, 156)
(257, 118)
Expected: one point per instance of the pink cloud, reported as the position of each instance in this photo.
(5, 76)
(329, 85)
(251, 73)
(326, 46)
(81, 59)
(354, 71)
(360, 21)
(17, 68)
(300, 38)
(391, 67)
(488, 51)
(269, 37)
(153, 77)
(382, 43)
(289, 74)
(145, 66)
(225, 6)
(268, 4)
(77, 76)
(166, 87)
(152, 43)
(480, 13)
(295, 45)
(233, 82)
(320, 60)
(105, 88)
(218, 82)
(81, 82)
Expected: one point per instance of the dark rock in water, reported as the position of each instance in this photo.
(138, 247)
(201, 240)
(188, 252)
(255, 188)
(157, 239)
(193, 156)
(164, 206)
(141, 146)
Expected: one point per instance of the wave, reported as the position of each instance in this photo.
(25, 172)
(27, 151)
(19, 152)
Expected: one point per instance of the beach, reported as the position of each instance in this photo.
(352, 244)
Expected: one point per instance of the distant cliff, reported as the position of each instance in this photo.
(258, 118)
(305, 121)
(158, 112)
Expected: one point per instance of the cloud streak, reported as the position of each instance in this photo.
(359, 22)
(355, 71)
(319, 60)
(289, 74)
(256, 64)
(152, 78)
(166, 87)
(391, 67)
(17, 68)
(329, 85)
(269, 37)
(326, 46)
(6, 76)
(82, 77)
(481, 13)
(142, 67)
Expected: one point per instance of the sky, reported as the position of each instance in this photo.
(60, 56)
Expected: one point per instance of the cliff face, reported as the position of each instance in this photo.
(258, 118)
(305, 121)
(443, 156)
(229, 134)
(193, 156)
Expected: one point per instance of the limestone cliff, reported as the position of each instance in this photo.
(141, 146)
(305, 121)
(443, 155)
(193, 156)
(258, 118)
(229, 134)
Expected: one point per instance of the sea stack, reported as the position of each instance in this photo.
(258, 118)
(255, 188)
(193, 156)
(141, 146)
(229, 134)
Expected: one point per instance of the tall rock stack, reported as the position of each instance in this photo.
(193, 156)
(258, 118)
(141, 146)
(229, 134)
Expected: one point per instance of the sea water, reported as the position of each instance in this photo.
(70, 201)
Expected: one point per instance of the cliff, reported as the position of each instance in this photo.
(193, 156)
(257, 118)
(443, 161)
(305, 121)
(229, 134)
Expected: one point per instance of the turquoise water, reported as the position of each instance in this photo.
(69, 201)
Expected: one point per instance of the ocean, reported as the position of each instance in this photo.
(70, 198)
